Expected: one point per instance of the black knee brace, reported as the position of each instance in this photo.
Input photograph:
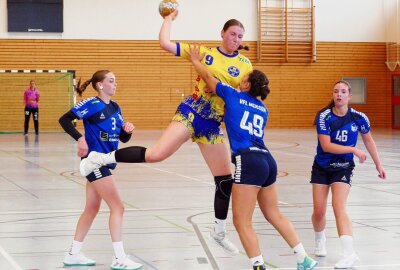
(223, 190)
(223, 186)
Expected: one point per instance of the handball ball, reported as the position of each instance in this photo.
(166, 7)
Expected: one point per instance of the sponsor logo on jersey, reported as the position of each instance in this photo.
(344, 178)
(102, 116)
(233, 71)
(103, 136)
(241, 59)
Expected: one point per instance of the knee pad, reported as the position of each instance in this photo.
(223, 186)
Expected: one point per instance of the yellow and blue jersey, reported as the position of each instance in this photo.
(229, 69)
(341, 130)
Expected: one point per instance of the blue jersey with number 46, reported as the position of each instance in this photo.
(343, 131)
(102, 122)
(245, 118)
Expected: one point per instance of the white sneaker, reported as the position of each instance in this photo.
(320, 248)
(347, 261)
(221, 239)
(124, 264)
(77, 260)
(93, 161)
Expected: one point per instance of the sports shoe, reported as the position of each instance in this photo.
(320, 248)
(221, 239)
(77, 260)
(259, 267)
(93, 161)
(125, 264)
(307, 264)
(347, 261)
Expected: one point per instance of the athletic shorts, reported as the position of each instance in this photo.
(332, 174)
(202, 130)
(99, 173)
(255, 168)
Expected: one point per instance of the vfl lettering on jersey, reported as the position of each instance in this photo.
(83, 102)
(322, 116)
(255, 106)
(233, 71)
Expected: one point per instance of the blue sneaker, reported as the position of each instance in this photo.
(307, 264)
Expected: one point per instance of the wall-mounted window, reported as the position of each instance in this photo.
(358, 89)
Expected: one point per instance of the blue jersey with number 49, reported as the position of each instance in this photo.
(102, 122)
(343, 131)
(245, 118)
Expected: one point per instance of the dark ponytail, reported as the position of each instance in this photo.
(81, 88)
(258, 84)
(243, 47)
(98, 76)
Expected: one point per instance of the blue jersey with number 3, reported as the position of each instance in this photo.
(245, 118)
(102, 122)
(342, 130)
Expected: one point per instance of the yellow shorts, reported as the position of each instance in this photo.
(205, 131)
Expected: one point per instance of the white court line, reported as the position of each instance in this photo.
(9, 259)
(375, 266)
(73, 211)
(191, 178)
(178, 174)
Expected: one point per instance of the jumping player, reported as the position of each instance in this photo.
(198, 117)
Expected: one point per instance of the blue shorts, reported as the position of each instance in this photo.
(99, 173)
(255, 168)
(202, 130)
(332, 173)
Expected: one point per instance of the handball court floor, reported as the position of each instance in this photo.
(169, 206)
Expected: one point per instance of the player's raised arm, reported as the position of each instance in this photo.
(196, 58)
(165, 33)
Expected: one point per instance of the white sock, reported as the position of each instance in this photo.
(119, 249)
(347, 244)
(220, 225)
(75, 247)
(320, 236)
(300, 252)
(257, 260)
(109, 158)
